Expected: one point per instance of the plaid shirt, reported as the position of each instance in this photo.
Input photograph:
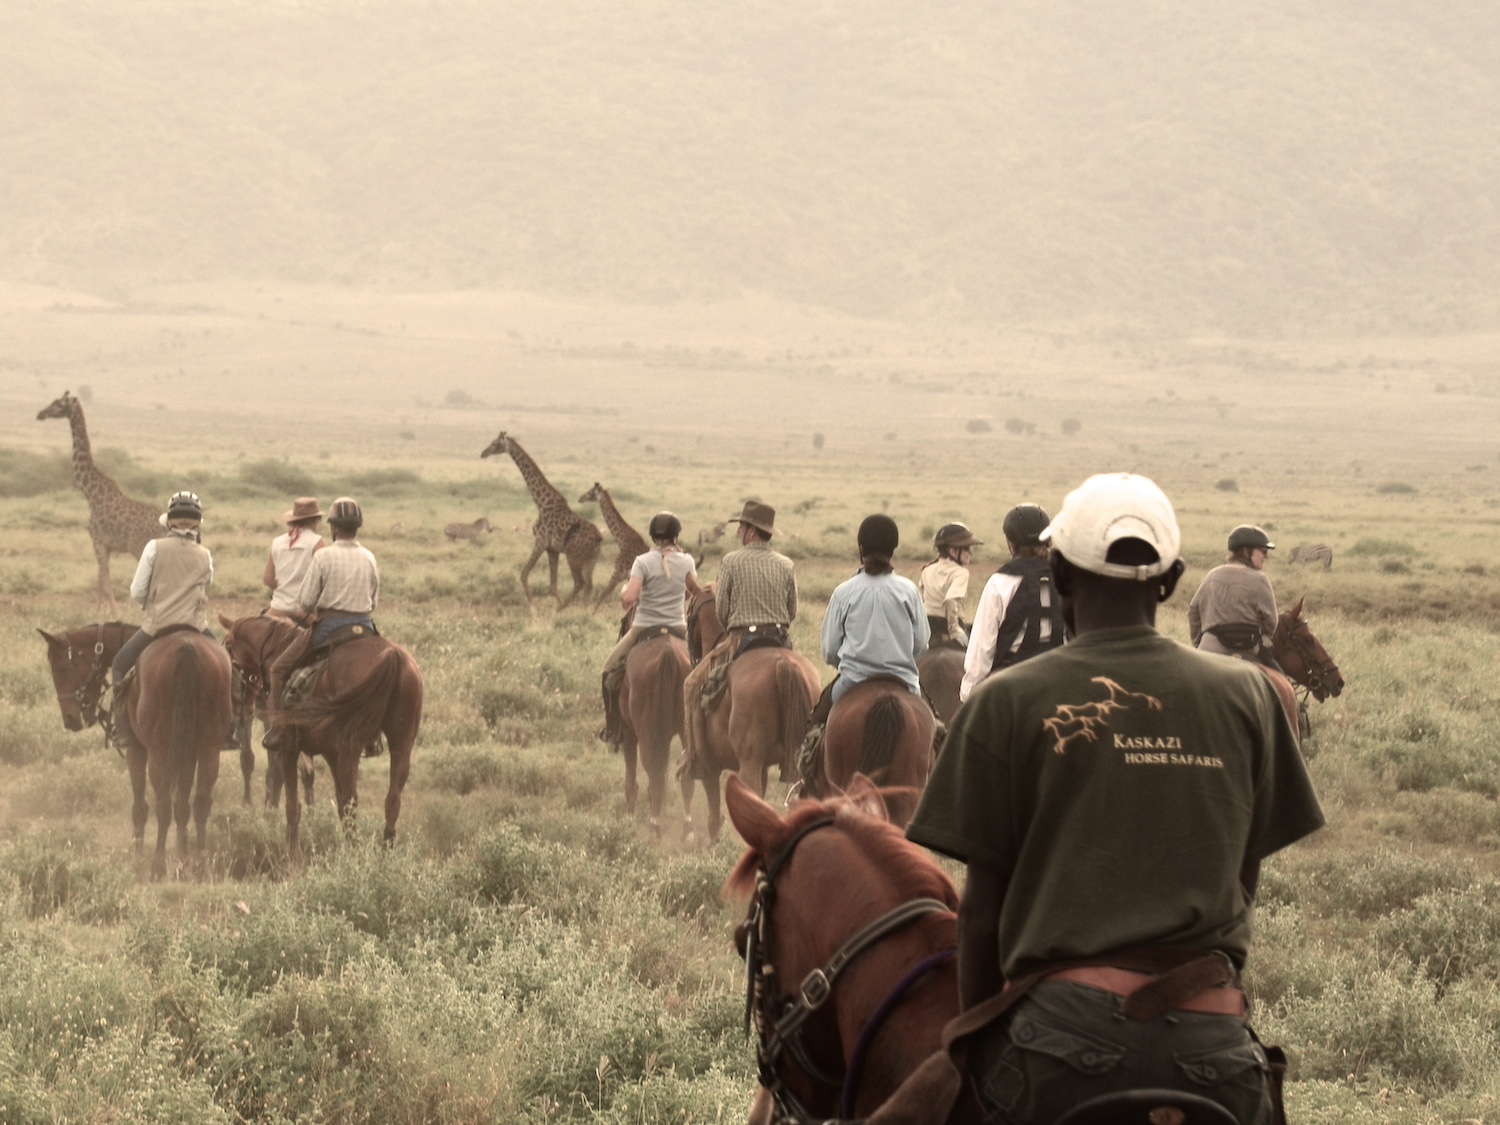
(343, 578)
(756, 587)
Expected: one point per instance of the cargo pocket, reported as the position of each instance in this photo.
(1232, 1075)
(1038, 1061)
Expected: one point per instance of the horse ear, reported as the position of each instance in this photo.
(52, 642)
(226, 622)
(1297, 609)
(755, 821)
(865, 796)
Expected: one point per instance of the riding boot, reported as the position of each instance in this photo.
(121, 734)
(824, 707)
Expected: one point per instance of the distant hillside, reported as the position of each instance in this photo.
(1285, 165)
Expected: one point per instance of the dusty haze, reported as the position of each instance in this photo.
(1291, 166)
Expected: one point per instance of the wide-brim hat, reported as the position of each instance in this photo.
(303, 508)
(757, 515)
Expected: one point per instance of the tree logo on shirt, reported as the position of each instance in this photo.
(1085, 720)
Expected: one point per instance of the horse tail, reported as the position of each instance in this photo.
(357, 714)
(794, 706)
(182, 750)
(663, 714)
(885, 723)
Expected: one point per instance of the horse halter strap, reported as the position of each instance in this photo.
(778, 1019)
(1318, 669)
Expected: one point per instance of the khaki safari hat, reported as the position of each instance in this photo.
(757, 515)
(1107, 508)
(303, 508)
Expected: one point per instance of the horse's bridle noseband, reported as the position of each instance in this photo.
(1319, 669)
(778, 1018)
(88, 693)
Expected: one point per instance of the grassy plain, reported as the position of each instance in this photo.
(526, 953)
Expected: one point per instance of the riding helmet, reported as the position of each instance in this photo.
(184, 506)
(344, 513)
(1247, 537)
(1024, 525)
(955, 535)
(879, 535)
(665, 527)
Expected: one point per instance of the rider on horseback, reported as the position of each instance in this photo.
(874, 625)
(1234, 611)
(342, 588)
(1113, 801)
(944, 583)
(1019, 613)
(291, 557)
(171, 587)
(660, 582)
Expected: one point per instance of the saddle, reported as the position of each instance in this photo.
(761, 636)
(354, 631)
(662, 631)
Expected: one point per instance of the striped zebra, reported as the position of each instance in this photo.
(1314, 553)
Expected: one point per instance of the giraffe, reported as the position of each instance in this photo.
(117, 524)
(629, 539)
(558, 529)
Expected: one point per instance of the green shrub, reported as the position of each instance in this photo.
(52, 877)
(1376, 546)
(23, 473)
(1448, 934)
(278, 478)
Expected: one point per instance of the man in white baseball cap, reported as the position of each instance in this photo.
(1113, 800)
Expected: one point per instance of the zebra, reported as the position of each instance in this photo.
(455, 531)
(1313, 553)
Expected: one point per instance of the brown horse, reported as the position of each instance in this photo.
(1303, 657)
(882, 730)
(941, 672)
(370, 687)
(651, 706)
(253, 644)
(703, 625)
(759, 723)
(817, 878)
(80, 660)
(179, 707)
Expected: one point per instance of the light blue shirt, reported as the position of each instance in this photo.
(875, 626)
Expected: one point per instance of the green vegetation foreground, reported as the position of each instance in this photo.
(528, 953)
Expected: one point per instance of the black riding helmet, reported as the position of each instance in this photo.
(1024, 525)
(665, 527)
(344, 513)
(184, 506)
(878, 535)
(1248, 537)
(955, 535)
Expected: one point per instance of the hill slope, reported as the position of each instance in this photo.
(1192, 165)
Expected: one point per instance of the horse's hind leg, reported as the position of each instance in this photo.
(346, 786)
(288, 760)
(203, 803)
(140, 811)
(715, 818)
(629, 751)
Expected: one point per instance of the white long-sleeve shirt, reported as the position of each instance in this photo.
(984, 633)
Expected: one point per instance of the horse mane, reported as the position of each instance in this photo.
(885, 844)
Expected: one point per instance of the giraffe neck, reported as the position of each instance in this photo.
(612, 518)
(85, 473)
(547, 498)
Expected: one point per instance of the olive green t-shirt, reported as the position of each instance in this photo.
(1120, 783)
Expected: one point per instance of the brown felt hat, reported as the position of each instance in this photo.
(303, 508)
(757, 515)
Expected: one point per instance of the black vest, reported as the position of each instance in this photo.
(1036, 598)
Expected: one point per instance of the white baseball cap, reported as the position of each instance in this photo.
(1109, 507)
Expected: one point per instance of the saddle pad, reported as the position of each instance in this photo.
(711, 693)
(303, 681)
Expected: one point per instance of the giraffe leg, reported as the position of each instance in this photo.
(526, 568)
(552, 567)
(106, 594)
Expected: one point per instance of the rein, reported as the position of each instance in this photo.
(88, 693)
(778, 1019)
(1316, 669)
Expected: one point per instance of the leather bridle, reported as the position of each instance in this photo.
(1321, 671)
(778, 1018)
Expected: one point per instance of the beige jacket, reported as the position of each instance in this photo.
(1232, 594)
(177, 593)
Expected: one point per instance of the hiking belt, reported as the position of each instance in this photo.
(1237, 637)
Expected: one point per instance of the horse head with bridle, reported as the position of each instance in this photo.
(849, 952)
(79, 660)
(1302, 656)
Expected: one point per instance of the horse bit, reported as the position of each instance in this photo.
(778, 1019)
(1317, 668)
